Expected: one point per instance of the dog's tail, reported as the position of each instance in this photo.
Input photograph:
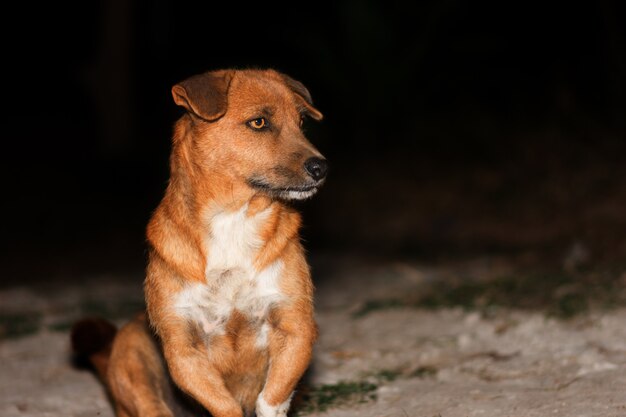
(92, 339)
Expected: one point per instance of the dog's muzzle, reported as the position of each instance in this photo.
(315, 168)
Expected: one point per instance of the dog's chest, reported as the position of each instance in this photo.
(232, 281)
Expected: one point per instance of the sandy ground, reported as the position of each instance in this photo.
(404, 361)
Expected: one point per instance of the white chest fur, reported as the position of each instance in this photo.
(232, 281)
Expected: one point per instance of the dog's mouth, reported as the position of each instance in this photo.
(285, 193)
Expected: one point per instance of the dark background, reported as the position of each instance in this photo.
(453, 128)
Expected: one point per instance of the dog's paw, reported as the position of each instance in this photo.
(263, 409)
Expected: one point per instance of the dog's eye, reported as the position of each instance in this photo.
(258, 123)
(301, 121)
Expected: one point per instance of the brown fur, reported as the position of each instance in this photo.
(219, 164)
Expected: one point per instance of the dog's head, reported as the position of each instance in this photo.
(247, 124)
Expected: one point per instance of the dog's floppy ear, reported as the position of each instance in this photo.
(205, 95)
(299, 88)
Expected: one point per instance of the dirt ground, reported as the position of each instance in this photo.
(481, 337)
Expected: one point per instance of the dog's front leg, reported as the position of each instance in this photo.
(290, 346)
(194, 373)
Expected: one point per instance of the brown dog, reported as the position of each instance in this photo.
(228, 290)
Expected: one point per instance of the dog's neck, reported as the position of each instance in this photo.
(190, 203)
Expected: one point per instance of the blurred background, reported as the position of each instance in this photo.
(453, 128)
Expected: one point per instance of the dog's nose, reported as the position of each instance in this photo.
(316, 168)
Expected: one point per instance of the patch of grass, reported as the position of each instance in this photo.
(558, 294)
(62, 326)
(569, 305)
(321, 398)
(112, 310)
(387, 375)
(376, 305)
(18, 325)
(424, 372)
